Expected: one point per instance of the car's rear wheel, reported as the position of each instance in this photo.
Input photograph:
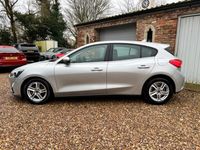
(37, 91)
(158, 91)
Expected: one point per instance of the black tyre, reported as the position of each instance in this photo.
(37, 91)
(157, 91)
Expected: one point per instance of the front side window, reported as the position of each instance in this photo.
(123, 52)
(90, 54)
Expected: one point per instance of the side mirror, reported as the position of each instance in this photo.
(66, 60)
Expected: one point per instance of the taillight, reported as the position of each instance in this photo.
(176, 62)
(22, 57)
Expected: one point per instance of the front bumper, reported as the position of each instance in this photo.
(15, 86)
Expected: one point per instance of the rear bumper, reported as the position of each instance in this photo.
(32, 56)
(179, 81)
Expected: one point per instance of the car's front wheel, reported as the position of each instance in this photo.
(37, 91)
(158, 91)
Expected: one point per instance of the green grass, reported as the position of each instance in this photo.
(194, 87)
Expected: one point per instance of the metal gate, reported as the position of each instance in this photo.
(188, 46)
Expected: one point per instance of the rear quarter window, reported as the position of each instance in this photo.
(168, 49)
(148, 52)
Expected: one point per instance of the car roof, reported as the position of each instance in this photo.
(149, 44)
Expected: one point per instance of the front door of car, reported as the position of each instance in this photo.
(128, 68)
(86, 73)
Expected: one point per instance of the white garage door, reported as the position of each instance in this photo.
(123, 32)
(188, 47)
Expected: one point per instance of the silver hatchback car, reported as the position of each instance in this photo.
(103, 68)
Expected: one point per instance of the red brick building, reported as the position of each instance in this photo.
(163, 21)
(177, 24)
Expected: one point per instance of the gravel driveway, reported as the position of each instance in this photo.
(99, 122)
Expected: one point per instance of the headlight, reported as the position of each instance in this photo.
(15, 74)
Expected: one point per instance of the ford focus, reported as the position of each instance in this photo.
(103, 68)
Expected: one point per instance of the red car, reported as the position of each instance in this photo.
(62, 53)
(11, 57)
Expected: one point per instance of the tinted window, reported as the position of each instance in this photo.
(169, 50)
(8, 50)
(90, 54)
(123, 51)
(148, 52)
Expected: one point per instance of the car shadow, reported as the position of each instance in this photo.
(97, 99)
(6, 69)
(87, 99)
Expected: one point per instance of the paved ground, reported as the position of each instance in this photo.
(99, 123)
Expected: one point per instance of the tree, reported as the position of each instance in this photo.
(80, 11)
(9, 6)
(44, 6)
(29, 24)
(43, 26)
(57, 25)
(127, 6)
(5, 37)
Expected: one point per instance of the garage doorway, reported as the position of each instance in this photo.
(122, 32)
(188, 47)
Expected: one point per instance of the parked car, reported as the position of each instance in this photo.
(61, 53)
(103, 68)
(30, 50)
(11, 57)
(50, 54)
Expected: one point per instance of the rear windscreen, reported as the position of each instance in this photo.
(8, 50)
(29, 47)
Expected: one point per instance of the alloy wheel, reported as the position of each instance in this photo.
(159, 91)
(37, 91)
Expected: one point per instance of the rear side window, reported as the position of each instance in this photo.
(8, 50)
(125, 51)
(148, 52)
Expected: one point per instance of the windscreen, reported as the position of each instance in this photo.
(8, 50)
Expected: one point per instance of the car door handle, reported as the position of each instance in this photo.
(143, 67)
(97, 69)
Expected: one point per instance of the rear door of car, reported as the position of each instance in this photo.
(129, 65)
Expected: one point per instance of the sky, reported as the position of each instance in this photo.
(116, 3)
(22, 6)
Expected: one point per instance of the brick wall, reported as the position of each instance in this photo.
(164, 22)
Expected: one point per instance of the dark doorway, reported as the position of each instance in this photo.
(87, 39)
(150, 36)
